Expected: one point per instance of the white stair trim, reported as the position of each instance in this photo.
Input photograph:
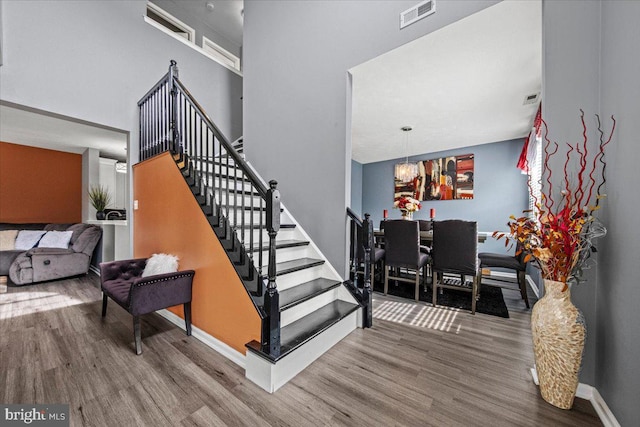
(271, 377)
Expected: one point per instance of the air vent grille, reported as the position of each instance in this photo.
(417, 12)
(531, 99)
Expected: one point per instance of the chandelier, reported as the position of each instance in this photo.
(406, 171)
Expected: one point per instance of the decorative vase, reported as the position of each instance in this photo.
(100, 215)
(558, 330)
(407, 215)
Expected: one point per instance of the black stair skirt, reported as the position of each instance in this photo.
(280, 244)
(303, 330)
(305, 291)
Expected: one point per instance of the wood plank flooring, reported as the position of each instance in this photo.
(419, 367)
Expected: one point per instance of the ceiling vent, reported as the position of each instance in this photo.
(417, 12)
(531, 99)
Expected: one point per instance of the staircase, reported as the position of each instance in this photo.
(304, 305)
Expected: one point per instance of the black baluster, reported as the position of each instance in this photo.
(354, 254)
(271, 323)
(173, 74)
(367, 294)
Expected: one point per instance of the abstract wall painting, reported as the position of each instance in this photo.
(446, 178)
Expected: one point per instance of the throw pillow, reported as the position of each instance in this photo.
(8, 240)
(56, 239)
(160, 264)
(28, 239)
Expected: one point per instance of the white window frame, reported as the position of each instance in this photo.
(220, 54)
(535, 172)
(191, 33)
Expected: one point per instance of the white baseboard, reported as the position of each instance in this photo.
(514, 276)
(219, 346)
(591, 394)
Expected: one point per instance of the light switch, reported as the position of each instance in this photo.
(135, 205)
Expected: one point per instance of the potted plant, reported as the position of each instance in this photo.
(557, 237)
(99, 197)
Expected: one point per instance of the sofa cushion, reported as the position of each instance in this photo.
(87, 240)
(56, 227)
(55, 239)
(27, 239)
(160, 264)
(77, 229)
(8, 240)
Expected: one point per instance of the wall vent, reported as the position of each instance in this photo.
(531, 99)
(417, 12)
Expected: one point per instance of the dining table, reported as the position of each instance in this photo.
(427, 236)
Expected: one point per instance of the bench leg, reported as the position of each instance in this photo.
(187, 317)
(136, 334)
(104, 304)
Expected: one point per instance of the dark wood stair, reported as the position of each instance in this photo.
(303, 330)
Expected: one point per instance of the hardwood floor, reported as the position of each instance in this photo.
(419, 367)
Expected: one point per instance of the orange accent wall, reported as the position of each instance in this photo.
(39, 185)
(169, 220)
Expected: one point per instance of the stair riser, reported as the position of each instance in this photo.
(235, 199)
(289, 254)
(230, 183)
(287, 281)
(300, 310)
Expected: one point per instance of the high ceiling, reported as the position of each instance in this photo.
(460, 86)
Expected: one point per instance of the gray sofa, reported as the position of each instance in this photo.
(41, 264)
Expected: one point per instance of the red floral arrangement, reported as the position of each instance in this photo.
(558, 235)
(408, 204)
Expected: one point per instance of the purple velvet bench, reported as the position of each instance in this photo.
(122, 282)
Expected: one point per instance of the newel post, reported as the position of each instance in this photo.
(367, 294)
(173, 110)
(271, 324)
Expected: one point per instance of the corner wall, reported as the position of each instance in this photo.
(169, 220)
(38, 185)
(296, 57)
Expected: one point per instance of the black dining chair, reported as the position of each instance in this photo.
(455, 252)
(493, 260)
(402, 250)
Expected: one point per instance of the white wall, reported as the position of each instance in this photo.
(93, 60)
(296, 57)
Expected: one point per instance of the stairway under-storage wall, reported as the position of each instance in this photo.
(301, 301)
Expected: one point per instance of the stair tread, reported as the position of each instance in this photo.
(305, 291)
(280, 244)
(299, 332)
(295, 265)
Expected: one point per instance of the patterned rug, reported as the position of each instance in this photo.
(491, 300)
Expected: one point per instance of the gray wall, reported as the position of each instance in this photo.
(591, 62)
(500, 190)
(296, 57)
(93, 60)
(198, 25)
(618, 293)
(356, 187)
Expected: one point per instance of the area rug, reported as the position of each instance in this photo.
(491, 300)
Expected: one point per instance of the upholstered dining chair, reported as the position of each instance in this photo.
(122, 281)
(493, 260)
(455, 252)
(402, 250)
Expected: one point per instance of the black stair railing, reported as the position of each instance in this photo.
(229, 191)
(360, 252)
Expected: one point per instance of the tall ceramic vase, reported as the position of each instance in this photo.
(559, 332)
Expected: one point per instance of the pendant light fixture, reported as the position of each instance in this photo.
(406, 171)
